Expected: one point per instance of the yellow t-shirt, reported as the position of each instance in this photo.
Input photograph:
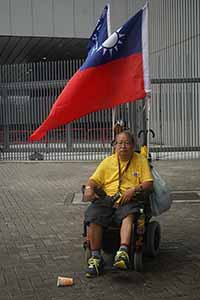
(107, 173)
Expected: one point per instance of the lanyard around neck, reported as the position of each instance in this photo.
(120, 173)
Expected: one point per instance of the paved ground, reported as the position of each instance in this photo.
(40, 237)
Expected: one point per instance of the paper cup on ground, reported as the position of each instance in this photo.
(65, 281)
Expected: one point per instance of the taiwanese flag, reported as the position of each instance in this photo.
(116, 72)
(100, 33)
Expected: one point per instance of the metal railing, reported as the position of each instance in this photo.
(24, 104)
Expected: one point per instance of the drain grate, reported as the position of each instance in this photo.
(68, 198)
(74, 198)
(78, 199)
(185, 195)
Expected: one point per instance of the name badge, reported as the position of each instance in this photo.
(135, 174)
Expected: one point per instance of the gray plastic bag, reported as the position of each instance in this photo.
(160, 198)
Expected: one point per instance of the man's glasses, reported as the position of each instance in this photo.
(123, 144)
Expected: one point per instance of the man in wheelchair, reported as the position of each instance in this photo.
(112, 192)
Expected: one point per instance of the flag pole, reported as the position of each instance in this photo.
(108, 20)
(147, 99)
(114, 108)
(147, 105)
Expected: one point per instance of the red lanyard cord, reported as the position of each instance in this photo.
(121, 174)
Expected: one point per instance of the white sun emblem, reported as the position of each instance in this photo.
(112, 43)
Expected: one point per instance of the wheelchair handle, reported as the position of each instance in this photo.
(146, 132)
(99, 191)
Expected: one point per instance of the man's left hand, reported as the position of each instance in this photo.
(127, 196)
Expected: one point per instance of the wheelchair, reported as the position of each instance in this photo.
(145, 240)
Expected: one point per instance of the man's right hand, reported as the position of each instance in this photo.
(89, 194)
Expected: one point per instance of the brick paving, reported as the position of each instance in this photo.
(41, 237)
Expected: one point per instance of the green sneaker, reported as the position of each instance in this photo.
(95, 267)
(121, 260)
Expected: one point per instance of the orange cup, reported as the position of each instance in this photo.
(65, 281)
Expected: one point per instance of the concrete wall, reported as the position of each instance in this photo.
(59, 18)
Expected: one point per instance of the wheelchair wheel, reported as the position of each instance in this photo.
(138, 261)
(152, 241)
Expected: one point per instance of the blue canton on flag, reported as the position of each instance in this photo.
(127, 40)
(100, 33)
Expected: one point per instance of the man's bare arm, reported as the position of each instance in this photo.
(89, 193)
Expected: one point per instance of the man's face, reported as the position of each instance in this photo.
(124, 148)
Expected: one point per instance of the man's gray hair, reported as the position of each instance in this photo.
(129, 135)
